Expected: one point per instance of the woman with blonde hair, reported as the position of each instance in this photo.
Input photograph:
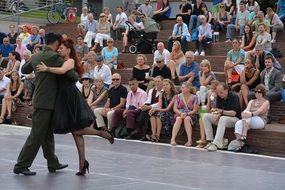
(162, 115)
(185, 108)
(99, 93)
(177, 57)
(106, 11)
(14, 92)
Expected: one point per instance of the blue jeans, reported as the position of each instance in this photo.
(194, 19)
(230, 29)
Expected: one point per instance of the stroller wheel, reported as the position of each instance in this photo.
(133, 49)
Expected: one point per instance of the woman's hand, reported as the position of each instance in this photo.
(42, 67)
(246, 114)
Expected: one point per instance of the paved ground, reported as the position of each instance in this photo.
(139, 166)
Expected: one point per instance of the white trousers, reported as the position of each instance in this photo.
(254, 123)
(89, 37)
(100, 37)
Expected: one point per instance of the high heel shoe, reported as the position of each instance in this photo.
(84, 169)
(110, 139)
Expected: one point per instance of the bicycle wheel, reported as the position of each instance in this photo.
(53, 16)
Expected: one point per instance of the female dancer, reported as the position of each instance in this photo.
(72, 113)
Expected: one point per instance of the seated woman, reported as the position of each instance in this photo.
(129, 34)
(177, 57)
(162, 115)
(204, 36)
(255, 116)
(249, 79)
(110, 53)
(20, 48)
(99, 94)
(141, 71)
(185, 108)
(251, 4)
(25, 35)
(211, 103)
(106, 11)
(83, 21)
(13, 64)
(90, 64)
(103, 32)
(276, 24)
(208, 15)
(206, 75)
(13, 93)
(163, 13)
(222, 20)
(248, 39)
(86, 88)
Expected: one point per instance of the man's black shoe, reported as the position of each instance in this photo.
(132, 136)
(59, 167)
(25, 172)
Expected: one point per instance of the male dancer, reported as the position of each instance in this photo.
(41, 134)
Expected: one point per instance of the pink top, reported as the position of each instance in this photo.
(136, 99)
(20, 50)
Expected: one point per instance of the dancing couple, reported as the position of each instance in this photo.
(59, 106)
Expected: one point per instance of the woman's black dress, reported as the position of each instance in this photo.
(71, 111)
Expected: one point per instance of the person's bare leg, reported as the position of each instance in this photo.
(172, 68)
(158, 129)
(9, 107)
(244, 91)
(245, 129)
(188, 129)
(202, 131)
(153, 126)
(175, 130)
(273, 36)
(3, 110)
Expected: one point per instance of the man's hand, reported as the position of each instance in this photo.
(145, 107)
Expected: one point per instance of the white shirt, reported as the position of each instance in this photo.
(104, 72)
(83, 19)
(4, 82)
(165, 54)
(121, 19)
(149, 97)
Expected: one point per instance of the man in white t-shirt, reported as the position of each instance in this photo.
(264, 38)
(102, 70)
(161, 52)
(120, 23)
(4, 82)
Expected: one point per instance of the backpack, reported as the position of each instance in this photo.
(194, 34)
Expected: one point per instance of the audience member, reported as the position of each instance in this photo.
(128, 5)
(20, 48)
(4, 82)
(281, 10)
(13, 93)
(204, 36)
(230, 8)
(146, 9)
(160, 69)
(161, 52)
(34, 38)
(241, 20)
(135, 99)
(120, 23)
(91, 28)
(234, 63)
(189, 71)
(259, 55)
(260, 20)
(3, 61)
(116, 99)
(81, 48)
(42, 34)
(264, 38)
(163, 13)
(100, 93)
(248, 39)
(110, 53)
(177, 57)
(276, 24)
(225, 115)
(90, 64)
(86, 88)
(13, 34)
(13, 64)
(197, 10)
(6, 47)
(251, 4)
(222, 20)
(2, 36)
(180, 33)
(253, 16)
(102, 70)
(255, 116)
(185, 108)
(185, 11)
(272, 79)
(150, 26)
(162, 115)
(25, 35)
(206, 76)
(141, 71)
(83, 21)
(208, 15)
(103, 32)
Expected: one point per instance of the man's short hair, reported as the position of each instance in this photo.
(52, 38)
(268, 56)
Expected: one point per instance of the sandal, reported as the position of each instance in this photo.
(1, 120)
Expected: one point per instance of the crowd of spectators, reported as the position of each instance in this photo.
(153, 105)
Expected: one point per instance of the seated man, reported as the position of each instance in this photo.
(91, 28)
(103, 71)
(146, 9)
(260, 20)
(6, 47)
(161, 52)
(264, 38)
(226, 114)
(116, 99)
(180, 33)
(241, 21)
(4, 83)
(135, 99)
(234, 63)
(272, 79)
(3, 62)
(189, 71)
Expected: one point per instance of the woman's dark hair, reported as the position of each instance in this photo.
(165, 5)
(68, 43)
(250, 3)
(16, 54)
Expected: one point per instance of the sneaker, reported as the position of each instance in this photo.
(225, 143)
(228, 40)
(212, 148)
(30, 117)
(208, 145)
(202, 53)
(196, 53)
(200, 145)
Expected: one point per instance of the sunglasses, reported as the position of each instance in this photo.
(85, 79)
(158, 61)
(115, 79)
(258, 91)
(109, 41)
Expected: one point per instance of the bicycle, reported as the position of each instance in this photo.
(60, 10)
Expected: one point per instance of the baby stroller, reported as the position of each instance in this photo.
(142, 42)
